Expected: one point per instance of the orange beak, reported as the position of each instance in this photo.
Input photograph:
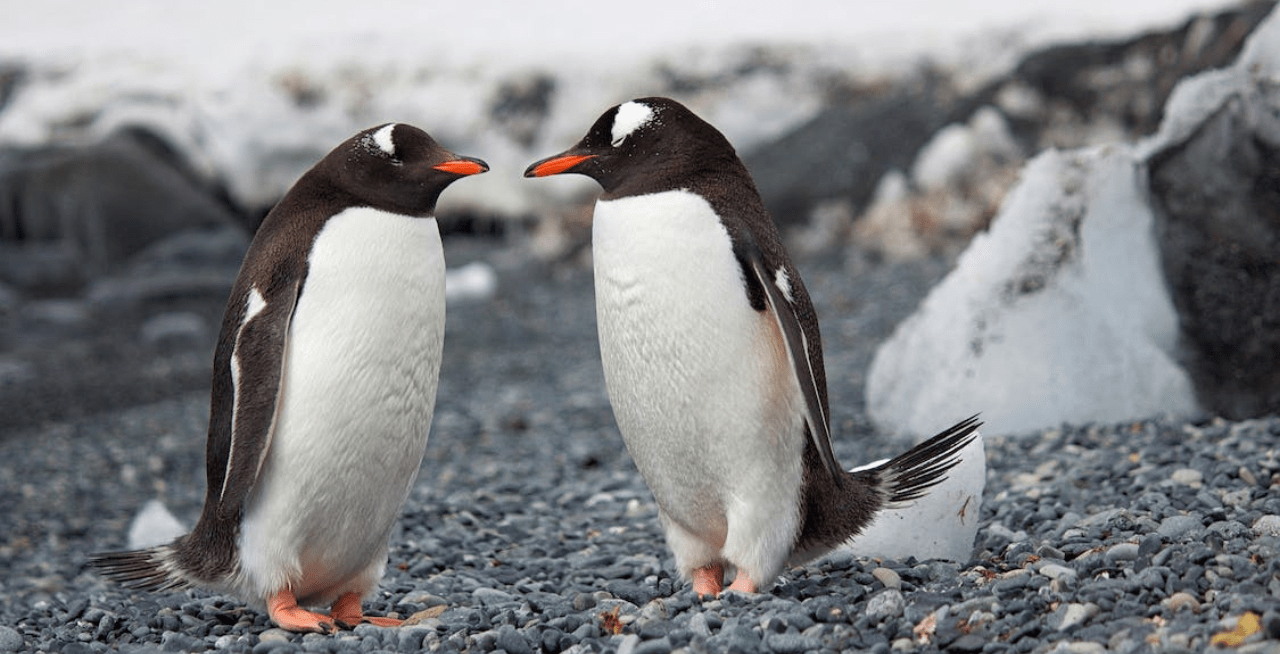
(463, 166)
(556, 165)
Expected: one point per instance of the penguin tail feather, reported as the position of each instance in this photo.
(910, 475)
(153, 569)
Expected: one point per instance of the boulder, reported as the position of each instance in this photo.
(69, 214)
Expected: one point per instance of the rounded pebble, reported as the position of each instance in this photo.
(1177, 526)
(1267, 525)
(10, 639)
(888, 577)
(1182, 600)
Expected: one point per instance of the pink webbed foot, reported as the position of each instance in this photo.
(348, 613)
(284, 611)
(708, 580)
(743, 583)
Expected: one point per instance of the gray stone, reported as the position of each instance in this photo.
(1267, 525)
(790, 643)
(888, 577)
(491, 596)
(1072, 614)
(1176, 526)
(10, 639)
(888, 603)
(1122, 552)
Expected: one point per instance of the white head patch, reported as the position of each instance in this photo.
(631, 116)
(382, 139)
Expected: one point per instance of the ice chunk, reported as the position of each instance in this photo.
(940, 525)
(1058, 314)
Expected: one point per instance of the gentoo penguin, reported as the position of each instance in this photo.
(712, 356)
(324, 385)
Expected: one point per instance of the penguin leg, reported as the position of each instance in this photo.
(348, 613)
(284, 611)
(696, 559)
(761, 536)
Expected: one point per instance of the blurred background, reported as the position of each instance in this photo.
(141, 142)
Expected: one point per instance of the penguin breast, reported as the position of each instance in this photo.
(697, 378)
(357, 400)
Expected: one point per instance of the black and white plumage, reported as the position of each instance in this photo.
(713, 358)
(324, 385)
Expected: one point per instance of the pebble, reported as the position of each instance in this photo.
(1073, 614)
(1122, 552)
(1267, 525)
(10, 639)
(275, 634)
(786, 643)
(888, 603)
(1084, 647)
(1174, 527)
(1180, 600)
(888, 577)
(1188, 476)
(1055, 571)
(500, 527)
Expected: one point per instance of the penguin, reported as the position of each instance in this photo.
(324, 384)
(713, 359)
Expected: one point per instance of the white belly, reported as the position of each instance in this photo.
(707, 413)
(358, 395)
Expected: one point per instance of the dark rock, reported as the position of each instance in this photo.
(1218, 199)
(846, 148)
(88, 209)
(1124, 82)
(11, 77)
(1069, 96)
(521, 106)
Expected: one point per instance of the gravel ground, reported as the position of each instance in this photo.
(530, 531)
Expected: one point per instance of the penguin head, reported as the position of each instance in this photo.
(645, 145)
(397, 167)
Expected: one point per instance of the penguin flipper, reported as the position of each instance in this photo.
(257, 372)
(797, 345)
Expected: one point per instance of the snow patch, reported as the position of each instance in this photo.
(154, 525)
